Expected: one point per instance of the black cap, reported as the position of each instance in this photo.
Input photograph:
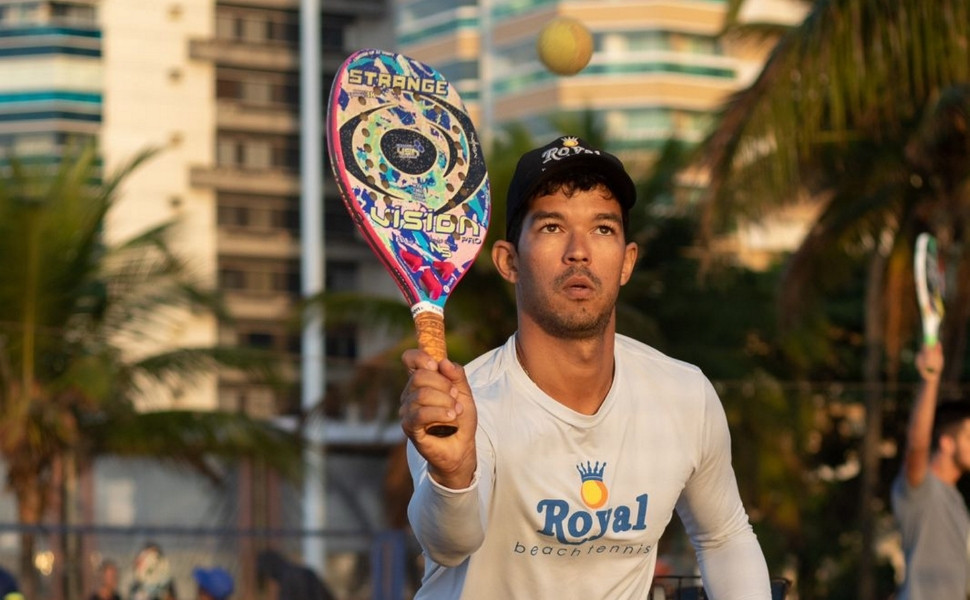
(566, 152)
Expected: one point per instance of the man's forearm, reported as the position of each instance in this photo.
(446, 522)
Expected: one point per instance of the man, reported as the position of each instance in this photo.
(287, 580)
(9, 590)
(574, 444)
(153, 578)
(931, 513)
(107, 582)
(213, 584)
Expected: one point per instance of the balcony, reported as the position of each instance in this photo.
(259, 306)
(232, 53)
(252, 181)
(370, 8)
(242, 116)
(263, 4)
(261, 242)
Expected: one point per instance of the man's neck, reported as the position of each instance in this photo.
(945, 469)
(576, 373)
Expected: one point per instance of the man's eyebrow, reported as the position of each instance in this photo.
(546, 214)
(609, 217)
(551, 214)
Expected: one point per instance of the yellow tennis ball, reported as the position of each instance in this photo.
(564, 46)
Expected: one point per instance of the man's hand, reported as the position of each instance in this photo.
(438, 393)
(929, 362)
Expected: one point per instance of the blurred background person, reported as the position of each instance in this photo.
(153, 578)
(107, 582)
(213, 584)
(9, 589)
(928, 507)
(288, 580)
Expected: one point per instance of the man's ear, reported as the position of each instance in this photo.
(505, 258)
(630, 254)
(947, 444)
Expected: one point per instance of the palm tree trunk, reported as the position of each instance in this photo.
(869, 476)
(30, 503)
(28, 513)
(72, 548)
(30, 311)
(957, 316)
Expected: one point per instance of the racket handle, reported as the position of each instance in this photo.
(431, 334)
(430, 327)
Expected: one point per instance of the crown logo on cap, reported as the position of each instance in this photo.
(570, 141)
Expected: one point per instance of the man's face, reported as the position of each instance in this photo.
(961, 447)
(109, 576)
(572, 260)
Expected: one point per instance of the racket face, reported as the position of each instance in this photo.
(930, 284)
(411, 171)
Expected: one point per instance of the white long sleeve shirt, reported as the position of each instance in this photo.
(566, 505)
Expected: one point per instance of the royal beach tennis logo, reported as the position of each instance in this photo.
(574, 525)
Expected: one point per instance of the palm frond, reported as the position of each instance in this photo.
(852, 69)
(193, 438)
(185, 364)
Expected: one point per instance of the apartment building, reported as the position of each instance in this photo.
(215, 85)
(658, 72)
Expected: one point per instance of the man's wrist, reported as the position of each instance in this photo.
(456, 481)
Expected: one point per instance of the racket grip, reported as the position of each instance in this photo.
(430, 327)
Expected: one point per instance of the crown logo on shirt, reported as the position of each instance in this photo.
(592, 489)
(591, 472)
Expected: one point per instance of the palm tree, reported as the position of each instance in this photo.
(864, 107)
(70, 303)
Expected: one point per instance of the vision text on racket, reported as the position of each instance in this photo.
(428, 222)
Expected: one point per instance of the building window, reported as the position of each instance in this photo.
(333, 30)
(261, 276)
(265, 89)
(232, 279)
(341, 342)
(237, 216)
(228, 89)
(258, 152)
(258, 212)
(25, 13)
(341, 276)
(226, 153)
(257, 26)
(259, 339)
(66, 13)
(286, 218)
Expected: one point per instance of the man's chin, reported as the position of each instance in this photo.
(579, 326)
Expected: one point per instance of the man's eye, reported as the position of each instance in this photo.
(606, 229)
(550, 227)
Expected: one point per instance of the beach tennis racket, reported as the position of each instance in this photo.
(930, 285)
(411, 172)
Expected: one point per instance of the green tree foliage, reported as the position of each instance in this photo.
(862, 107)
(71, 306)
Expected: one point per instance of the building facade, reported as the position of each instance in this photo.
(659, 69)
(215, 86)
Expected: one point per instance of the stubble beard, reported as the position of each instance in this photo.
(576, 324)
